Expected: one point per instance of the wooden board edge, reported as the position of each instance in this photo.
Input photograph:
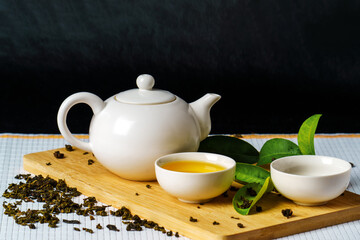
(299, 226)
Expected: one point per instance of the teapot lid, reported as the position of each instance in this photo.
(145, 94)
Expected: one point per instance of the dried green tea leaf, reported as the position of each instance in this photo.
(69, 148)
(71, 221)
(112, 227)
(59, 155)
(88, 230)
(287, 212)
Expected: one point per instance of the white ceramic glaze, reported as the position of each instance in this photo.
(310, 179)
(195, 187)
(130, 130)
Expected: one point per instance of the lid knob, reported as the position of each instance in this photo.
(145, 82)
(145, 94)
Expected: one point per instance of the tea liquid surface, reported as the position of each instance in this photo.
(192, 166)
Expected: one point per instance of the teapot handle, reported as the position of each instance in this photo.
(96, 104)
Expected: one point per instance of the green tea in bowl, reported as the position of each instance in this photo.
(192, 166)
(195, 177)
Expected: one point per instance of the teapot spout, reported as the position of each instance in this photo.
(201, 108)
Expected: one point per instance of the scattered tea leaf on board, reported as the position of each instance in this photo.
(239, 150)
(306, 135)
(244, 200)
(277, 148)
(250, 174)
(287, 212)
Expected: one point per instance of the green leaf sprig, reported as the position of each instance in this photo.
(248, 173)
(277, 147)
(237, 149)
(256, 179)
(306, 135)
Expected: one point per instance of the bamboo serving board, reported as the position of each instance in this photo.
(156, 205)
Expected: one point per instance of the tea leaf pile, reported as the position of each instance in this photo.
(57, 197)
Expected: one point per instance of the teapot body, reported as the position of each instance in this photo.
(132, 129)
(127, 138)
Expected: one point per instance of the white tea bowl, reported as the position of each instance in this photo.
(310, 180)
(195, 187)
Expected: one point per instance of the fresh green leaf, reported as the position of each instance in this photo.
(306, 135)
(237, 149)
(243, 200)
(277, 148)
(247, 173)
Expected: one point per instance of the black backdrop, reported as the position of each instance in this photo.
(274, 62)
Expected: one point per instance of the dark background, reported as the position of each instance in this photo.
(274, 62)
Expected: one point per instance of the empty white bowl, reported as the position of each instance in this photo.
(195, 187)
(310, 179)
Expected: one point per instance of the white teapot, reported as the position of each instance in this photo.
(130, 130)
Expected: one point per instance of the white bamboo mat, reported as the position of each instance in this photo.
(14, 146)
